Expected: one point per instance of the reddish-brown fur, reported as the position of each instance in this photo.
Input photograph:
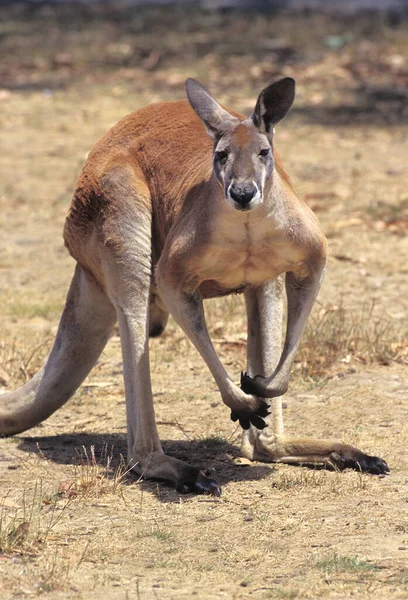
(165, 150)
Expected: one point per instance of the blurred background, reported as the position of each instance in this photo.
(348, 57)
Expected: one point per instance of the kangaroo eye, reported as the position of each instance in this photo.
(265, 152)
(221, 156)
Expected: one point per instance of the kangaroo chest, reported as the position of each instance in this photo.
(245, 254)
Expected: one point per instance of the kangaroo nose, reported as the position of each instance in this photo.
(242, 193)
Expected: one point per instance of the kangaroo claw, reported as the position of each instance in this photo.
(247, 418)
(357, 460)
(200, 485)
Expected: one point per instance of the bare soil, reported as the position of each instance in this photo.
(73, 523)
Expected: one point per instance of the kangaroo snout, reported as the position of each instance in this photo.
(243, 193)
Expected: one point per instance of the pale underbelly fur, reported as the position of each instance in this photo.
(245, 250)
(251, 265)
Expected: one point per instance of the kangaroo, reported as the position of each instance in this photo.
(178, 202)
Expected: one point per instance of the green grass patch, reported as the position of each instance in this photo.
(213, 441)
(28, 310)
(345, 564)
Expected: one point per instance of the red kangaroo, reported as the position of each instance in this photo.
(178, 202)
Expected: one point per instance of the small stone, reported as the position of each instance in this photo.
(241, 461)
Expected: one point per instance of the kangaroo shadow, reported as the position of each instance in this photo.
(110, 449)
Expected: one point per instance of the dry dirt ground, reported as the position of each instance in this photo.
(73, 524)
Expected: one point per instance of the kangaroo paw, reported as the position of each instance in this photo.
(252, 385)
(259, 386)
(245, 418)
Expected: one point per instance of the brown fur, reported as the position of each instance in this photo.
(147, 147)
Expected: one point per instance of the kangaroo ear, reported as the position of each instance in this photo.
(273, 103)
(215, 118)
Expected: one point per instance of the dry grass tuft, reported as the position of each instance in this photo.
(338, 335)
(18, 364)
(344, 564)
(26, 524)
(53, 575)
(93, 478)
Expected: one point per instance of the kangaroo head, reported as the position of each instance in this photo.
(243, 152)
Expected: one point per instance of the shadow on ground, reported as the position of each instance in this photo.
(211, 453)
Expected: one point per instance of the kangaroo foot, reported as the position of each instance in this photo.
(185, 478)
(348, 457)
(199, 483)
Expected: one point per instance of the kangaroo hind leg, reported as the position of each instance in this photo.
(127, 270)
(84, 329)
(264, 309)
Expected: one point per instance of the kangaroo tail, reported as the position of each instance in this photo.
(83, 331)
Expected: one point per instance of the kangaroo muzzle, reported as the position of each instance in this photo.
(243, 194)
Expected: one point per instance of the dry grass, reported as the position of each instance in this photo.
(328, 482)
(18, 363)
(92, 477)
(52, 576)
(344, 564)
(27, 522)
(337, 336)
